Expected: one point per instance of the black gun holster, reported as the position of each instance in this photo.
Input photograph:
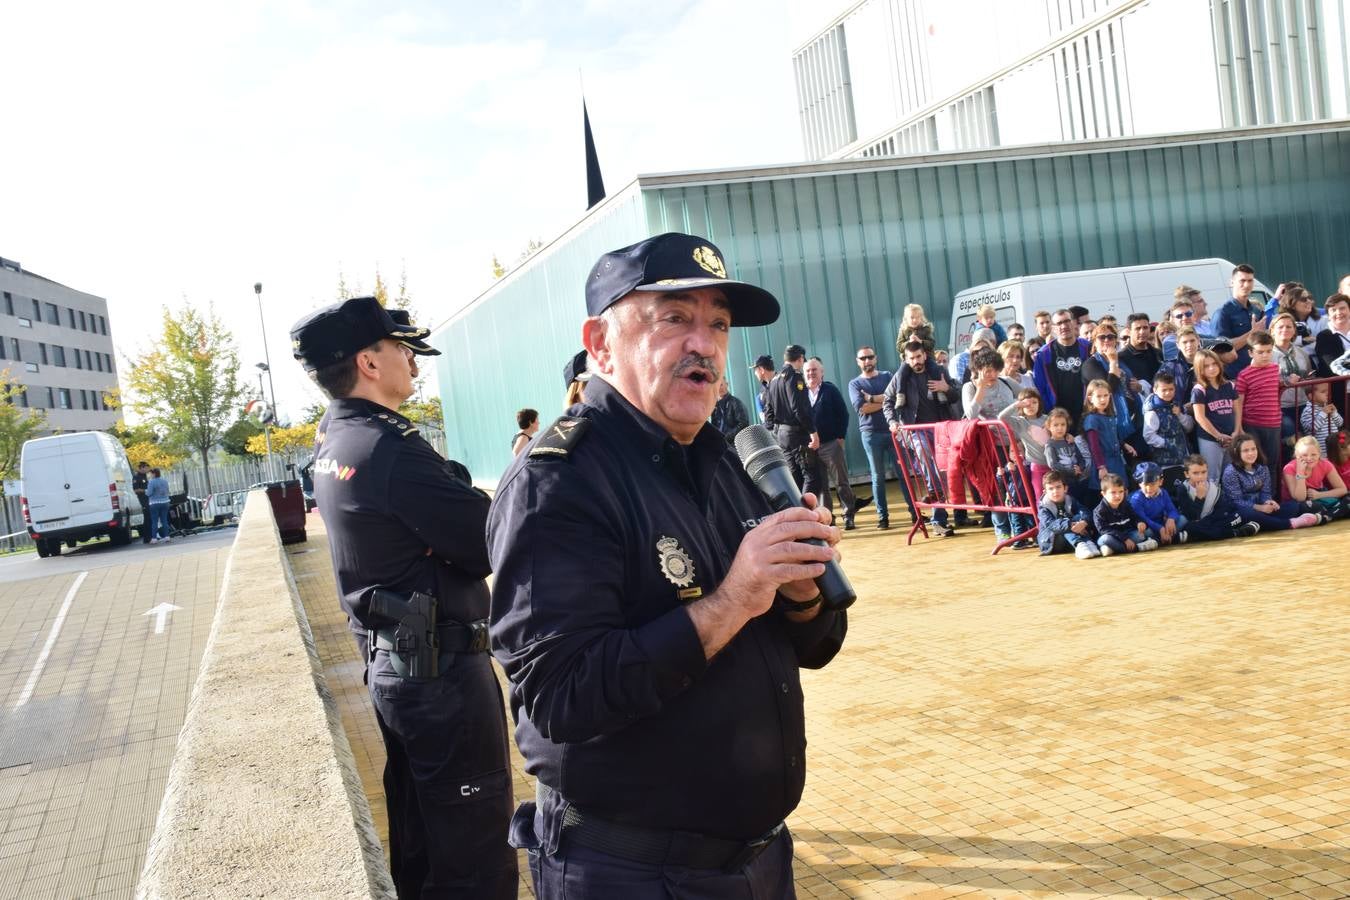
(411, 638)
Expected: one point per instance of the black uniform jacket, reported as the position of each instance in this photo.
(398, 516)
(599, 535)
(787, 405)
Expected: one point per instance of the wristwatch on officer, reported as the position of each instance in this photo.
(798, 606)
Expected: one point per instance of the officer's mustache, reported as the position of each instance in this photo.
(698, 368)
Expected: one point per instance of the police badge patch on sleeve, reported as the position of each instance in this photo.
(560, 438)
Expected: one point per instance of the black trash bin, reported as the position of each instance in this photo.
(288, 505)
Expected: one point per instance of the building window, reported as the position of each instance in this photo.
(53, 314)
(83, 327)
(31, 367)
(42, 351)
(25, 323)
(9, 304)
(109, 361)
(70, 316)
(75, 351)
(63, 397)
(51, 399)
(98, 361)
(23, 398)
(88, 361)
(14, 350)
(37, 311)
(84, 399)
(103, 325)
(58, 355)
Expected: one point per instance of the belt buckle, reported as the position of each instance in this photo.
(479, 643)
(752, 849)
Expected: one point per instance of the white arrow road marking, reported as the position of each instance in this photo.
(160, 613)
(51, 641)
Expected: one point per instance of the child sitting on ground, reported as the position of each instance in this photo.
(1246, 481)
(1167, 425)
(1319, 416)
(1338, 454)
(1119, 528)
(1308, 478)
(1063, 521)
(1208, 515)
(1154, 506)
(1026, 418)
(1099, 426)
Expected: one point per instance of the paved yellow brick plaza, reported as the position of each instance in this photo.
(1170, 724)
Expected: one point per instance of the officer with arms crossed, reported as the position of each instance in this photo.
(406, 533)
(650, 611)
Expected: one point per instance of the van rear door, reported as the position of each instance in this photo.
(88, 476)
(44, 476)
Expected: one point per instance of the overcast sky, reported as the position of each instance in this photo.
(155, 152)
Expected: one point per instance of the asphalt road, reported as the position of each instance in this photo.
(99, 554)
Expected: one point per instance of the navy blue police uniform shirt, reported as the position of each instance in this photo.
(787, 404)
(398, 516)
(598, 536)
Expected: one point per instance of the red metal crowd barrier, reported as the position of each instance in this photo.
(938, 460)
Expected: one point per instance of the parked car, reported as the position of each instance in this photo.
(75, 487)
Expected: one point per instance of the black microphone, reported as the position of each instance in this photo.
(768, 468)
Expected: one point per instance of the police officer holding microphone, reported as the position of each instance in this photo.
(406, 532)
(652, 611)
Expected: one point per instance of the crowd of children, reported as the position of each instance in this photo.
(1212, 449)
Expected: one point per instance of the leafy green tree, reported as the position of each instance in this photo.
(187, 388)
(16, 424)
(285, 441)
(235, 439)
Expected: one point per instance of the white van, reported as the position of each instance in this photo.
(77, 486)
(1117, 292)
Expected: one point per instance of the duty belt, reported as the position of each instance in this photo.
(454, 637)
(655, 847)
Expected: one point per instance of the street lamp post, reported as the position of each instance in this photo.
(266, 365)
(267, 428)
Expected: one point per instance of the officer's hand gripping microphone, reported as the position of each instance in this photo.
(767, 467)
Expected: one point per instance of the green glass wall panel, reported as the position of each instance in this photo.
(508, 350)
(846, 250)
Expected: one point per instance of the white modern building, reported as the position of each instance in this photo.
(57, 342)
(897, 77)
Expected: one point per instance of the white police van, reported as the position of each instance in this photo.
(1116, 292)
(75, 487)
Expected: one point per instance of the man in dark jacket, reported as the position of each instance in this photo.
(831, 415)
(920, 394)
(729, 415)
(787, 412)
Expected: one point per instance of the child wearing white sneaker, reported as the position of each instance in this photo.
(1063, 522)
(1155, 507)
(1119, 528)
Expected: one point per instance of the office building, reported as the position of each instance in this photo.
(57, 342)
(900, 77)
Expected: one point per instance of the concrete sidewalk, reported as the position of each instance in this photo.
(1169, 724)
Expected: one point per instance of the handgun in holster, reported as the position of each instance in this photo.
(413, 647)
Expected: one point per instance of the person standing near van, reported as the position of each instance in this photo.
(1057, 367)
(1238, 317)
(138, 482)
(157, 497)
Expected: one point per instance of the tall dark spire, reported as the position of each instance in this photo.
(595, 184)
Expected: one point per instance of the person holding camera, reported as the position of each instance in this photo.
(405, 530)
(650, 609)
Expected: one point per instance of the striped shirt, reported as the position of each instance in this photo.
(1259, 388)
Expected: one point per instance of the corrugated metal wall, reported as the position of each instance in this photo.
(846, 252)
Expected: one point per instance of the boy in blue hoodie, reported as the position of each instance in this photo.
(1167, 428)
(1063, 522)
(1154, 506)
(1119, 528)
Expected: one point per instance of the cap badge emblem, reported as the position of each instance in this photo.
(706, 257)
(675, 562)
